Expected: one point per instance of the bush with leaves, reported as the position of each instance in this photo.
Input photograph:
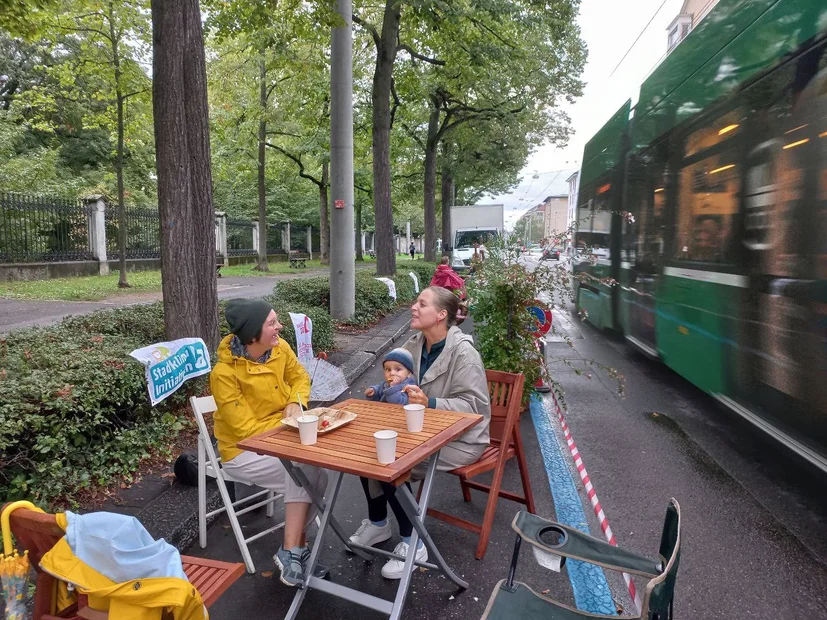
(501, 291)
(372, 299)
(424, 270)
(74, 410)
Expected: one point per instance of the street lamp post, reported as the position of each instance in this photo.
(342, 242)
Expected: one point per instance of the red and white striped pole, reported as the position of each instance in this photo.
(592, 494)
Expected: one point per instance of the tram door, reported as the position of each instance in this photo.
(785, 237)
(644, 248)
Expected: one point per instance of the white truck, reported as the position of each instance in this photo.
(471, 224)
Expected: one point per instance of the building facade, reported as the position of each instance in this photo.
(555, 212)
(690, 15)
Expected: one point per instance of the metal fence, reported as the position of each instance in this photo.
(275, 238)
(298, 237)
(240, 237)
(143, 233)
(43, 228)
(49, 228)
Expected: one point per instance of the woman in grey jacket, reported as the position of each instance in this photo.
(451, 376)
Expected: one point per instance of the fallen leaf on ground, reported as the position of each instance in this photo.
(546, 591)
(267, 573)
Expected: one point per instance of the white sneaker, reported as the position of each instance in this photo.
(395, 568)
(369, 534)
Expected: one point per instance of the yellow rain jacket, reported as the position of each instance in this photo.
(139, 599)
(251, 397)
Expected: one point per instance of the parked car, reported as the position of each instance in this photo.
(554, 253)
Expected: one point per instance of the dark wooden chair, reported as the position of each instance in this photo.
(553, 542)
(38, 532)
(506, 393)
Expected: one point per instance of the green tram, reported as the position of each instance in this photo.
(704, 209)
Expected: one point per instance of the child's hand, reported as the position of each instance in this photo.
(370, 392)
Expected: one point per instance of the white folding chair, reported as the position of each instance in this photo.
(209, 464)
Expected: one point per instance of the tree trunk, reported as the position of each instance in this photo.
(430, 185)
(382, 76)
(447, 200)
(324, 216)
(182, 153)
(357, 212)
(119, 98)
(262, 193)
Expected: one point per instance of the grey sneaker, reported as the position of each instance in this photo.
(321, 571)
(291, 565)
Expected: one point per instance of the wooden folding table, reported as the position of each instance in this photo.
(351, 449)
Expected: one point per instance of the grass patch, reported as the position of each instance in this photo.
(276, 268)
(86, 288)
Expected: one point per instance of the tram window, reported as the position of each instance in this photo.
(707, 204)
(646, 202)
(724, 128)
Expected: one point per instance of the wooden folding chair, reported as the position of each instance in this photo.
(506, 392)
(38, 532)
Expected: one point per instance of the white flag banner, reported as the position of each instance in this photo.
(303, 327)
(391, 286)
(170, 364)
(416, 281)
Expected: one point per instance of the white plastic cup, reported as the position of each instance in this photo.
(385, 446)
(415, 416)
(308, 429)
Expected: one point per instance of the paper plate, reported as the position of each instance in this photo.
(334, 418)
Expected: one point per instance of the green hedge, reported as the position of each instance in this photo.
(372, 299)
(74, 410)
(423, 270)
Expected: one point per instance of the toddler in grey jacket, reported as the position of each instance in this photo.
(398, 366)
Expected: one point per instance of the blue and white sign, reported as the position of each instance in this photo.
(170, 364)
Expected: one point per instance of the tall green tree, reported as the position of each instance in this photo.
(101, 46)
(182, 143)
(506, 62)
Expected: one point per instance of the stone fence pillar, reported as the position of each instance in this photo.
(255, 236)
(310, 241)
(96, 228)
(221, 235)
(285, 237)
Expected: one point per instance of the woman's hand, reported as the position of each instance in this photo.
(370, 392)
(292, 410)
(415, 395)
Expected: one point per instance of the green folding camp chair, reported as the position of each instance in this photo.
(512, 599)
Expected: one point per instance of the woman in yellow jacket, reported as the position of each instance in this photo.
(256, 382)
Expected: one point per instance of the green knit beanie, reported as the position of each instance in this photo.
(246, 317)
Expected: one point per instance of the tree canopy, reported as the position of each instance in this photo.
(458, 91)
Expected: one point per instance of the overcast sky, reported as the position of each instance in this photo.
(609, 27)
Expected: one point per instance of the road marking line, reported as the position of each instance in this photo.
(592, 494)
(588, 581)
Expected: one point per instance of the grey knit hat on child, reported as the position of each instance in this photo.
(403, 356)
